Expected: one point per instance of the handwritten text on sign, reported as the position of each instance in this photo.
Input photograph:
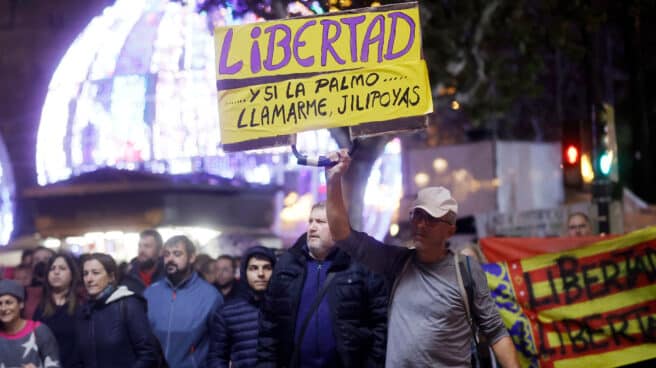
(331, 100)
(319, 44)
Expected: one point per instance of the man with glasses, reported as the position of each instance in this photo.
(428, 324)
(578, 224)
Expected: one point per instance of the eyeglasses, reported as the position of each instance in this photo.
(577, 226)
(423, 216)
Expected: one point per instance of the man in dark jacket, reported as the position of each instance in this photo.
(348, 326)
(235, 326)
(148, 267)
(226, 282)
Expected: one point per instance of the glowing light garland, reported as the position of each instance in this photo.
(7, 191)
(136, 91)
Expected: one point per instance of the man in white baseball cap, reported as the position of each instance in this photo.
(428, 325)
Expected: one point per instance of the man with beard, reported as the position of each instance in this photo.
(180, 306)
(322, 309)
(147, 268)
(235, 326)
(428, 322)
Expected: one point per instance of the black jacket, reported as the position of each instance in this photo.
(235, 325)
(114, 332)
(233, 334)
(358, 306)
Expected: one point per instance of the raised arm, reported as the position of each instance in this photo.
(338, 218)
(378, 257)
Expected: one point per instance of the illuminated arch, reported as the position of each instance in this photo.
(7, 191)
(136, 90)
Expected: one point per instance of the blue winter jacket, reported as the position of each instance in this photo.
(180, 318)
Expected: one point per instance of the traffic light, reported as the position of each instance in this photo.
(606, 164)
(572, 155)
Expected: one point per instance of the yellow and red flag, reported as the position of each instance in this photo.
(593, 306)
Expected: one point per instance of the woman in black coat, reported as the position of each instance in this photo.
(61, 303)
(112, 328)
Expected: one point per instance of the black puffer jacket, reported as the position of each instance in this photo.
(358, 305)
(114, 332)
(234, 328)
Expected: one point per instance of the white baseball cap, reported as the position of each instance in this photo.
(436, 201)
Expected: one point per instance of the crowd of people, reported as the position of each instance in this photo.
(336, 298)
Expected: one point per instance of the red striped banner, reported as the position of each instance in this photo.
(592, 306)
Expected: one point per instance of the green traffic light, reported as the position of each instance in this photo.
(605, 161)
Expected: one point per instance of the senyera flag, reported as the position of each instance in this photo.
(361, 68)
(510, 249)
(593, 306)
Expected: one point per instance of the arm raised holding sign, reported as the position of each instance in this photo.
(387, 260)
(425, 286)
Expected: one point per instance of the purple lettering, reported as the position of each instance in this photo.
(224, 68)
(369, 40)
(283, 44)
(353, 24)
(390, 55)
(326, 42)
(305, 62)
(256, 59)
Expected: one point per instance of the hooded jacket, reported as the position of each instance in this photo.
(113, 331)
(180, 318)
(354, 322)
(235, 326)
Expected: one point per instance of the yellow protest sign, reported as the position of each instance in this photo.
(339, 99)
(331, 42)
(360, 68)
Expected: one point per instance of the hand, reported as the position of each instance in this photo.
(29, 365)
(343, 162)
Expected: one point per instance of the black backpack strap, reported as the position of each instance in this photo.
(466, 285)
(308, 317)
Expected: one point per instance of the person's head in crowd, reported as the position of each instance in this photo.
(63, 280)
(578, 224)
(27, 257)
(433, 217)
(257, 265)
(225, 271)
(42, 256)
(99, 273)
(12, 297)
(123, 269)
(150, 248)
(206, 267)
(319, 240)
(23, 275)
(179, 255)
